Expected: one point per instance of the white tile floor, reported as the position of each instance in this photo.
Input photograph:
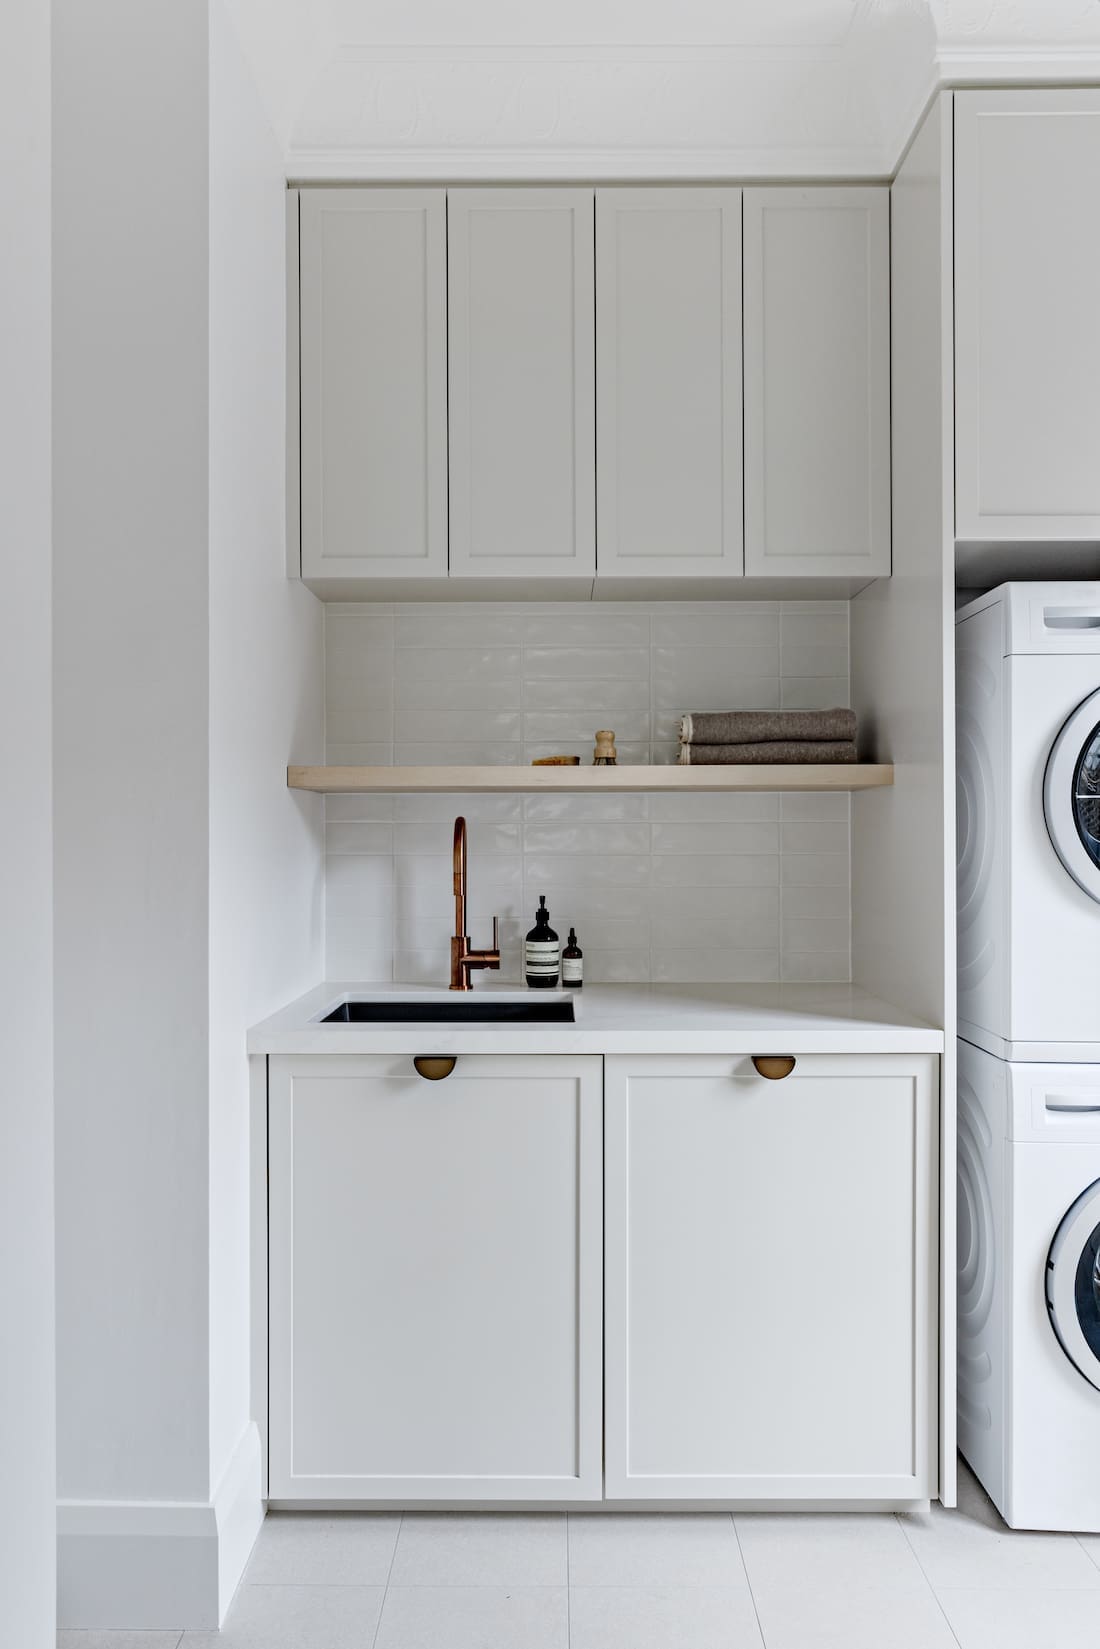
(949, 1580)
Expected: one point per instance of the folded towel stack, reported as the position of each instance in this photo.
(716, 738)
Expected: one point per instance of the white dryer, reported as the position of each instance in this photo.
(1028, 690)
(1029, 1287)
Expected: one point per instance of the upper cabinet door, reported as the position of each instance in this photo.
(1027, 321)
(668, 371)
(817, 382)
(522, 382)
(374, 384)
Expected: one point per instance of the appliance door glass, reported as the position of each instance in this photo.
(1073, 1284)
(1071, 796)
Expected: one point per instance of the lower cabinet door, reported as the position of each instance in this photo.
(435, 1279)
(770, 1278)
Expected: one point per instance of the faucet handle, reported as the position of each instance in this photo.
(496, 934)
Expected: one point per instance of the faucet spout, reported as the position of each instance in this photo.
(463, 958)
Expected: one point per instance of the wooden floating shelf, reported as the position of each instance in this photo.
(582, 781)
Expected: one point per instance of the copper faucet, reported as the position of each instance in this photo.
(462, 957)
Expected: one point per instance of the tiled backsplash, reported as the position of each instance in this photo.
(712, 887)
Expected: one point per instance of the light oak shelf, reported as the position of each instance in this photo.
(443, 781)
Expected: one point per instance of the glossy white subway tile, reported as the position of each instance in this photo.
(446, 626)
(816, 967)
(357, 726)
(814, 693)
(715, 806)
(588, 870)
(818, 902)
(491, 753)
(716, 836)
(578, 727)
(813, 869)
(814, 804)
(358, 838)
(574, 809)
(437, 837)
(730, 624)
(811, 933)
(545, 664)
(716, 870)
(425, 693)
(477, 810)
(503, 683)
(463, 726)
(580, 627)
(813, 836)
(447, 665)
(339, 809)
(603, 837)
(596, 698)
(358, 755)
(718, 966)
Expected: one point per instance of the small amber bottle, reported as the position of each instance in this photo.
(572, 963)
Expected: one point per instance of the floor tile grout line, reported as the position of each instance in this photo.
(748, 1580)
(389, 1577)
(927, 1579)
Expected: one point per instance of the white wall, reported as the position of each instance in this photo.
(26, 1096)
(188, 881)
(130, 770)
(659, 887)
(265, 691)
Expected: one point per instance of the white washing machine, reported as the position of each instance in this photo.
(1028, 692)
(1029, 1287)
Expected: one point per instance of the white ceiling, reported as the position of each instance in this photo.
(634, 88)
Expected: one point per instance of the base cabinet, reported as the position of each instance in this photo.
(566, 1278)
(770, 1279)
(435, 1279)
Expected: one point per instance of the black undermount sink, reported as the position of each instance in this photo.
(467, 1010)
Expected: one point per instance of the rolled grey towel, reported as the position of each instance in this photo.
(767, 726)
(794, 751)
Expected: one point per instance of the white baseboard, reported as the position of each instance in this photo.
(159, 1565)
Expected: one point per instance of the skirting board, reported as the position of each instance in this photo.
(159, 1565)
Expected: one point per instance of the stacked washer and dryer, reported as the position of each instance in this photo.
(1028, 693)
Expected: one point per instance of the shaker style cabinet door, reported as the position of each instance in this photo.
(668, 374)
(522, 382)
(1027, 320)
(373, 277)
(817, 382)
(435, 1278)
(770, 1278)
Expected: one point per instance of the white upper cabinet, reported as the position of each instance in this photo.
(373, 279)
(522, 382)
(1027, 317)
(668, 373)
(817, 381)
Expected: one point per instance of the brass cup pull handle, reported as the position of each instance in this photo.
(773, 1066)
(434, 1067)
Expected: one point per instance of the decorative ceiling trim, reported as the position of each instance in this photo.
(817, 164)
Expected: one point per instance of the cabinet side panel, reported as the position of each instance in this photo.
(1028, 325)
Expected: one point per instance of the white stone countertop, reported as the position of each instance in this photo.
(615, 1019)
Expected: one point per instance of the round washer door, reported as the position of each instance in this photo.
(1071, 796)
(1073, 1284)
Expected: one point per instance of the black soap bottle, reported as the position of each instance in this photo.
(542, 951)
(572, 963)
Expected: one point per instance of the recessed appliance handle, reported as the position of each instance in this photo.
(1071, 618)
(1070, 1105)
